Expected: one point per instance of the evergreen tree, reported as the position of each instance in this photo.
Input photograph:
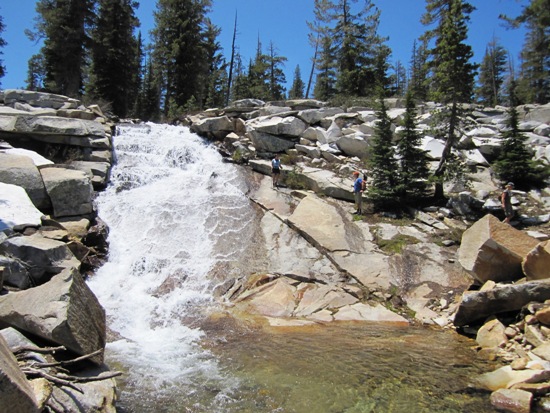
(534, 84)
(240, 86)
(216, 79)
(383, 168)
(258, 75)
(491, 74)
(179, 51)
(325, 85)
(276, 76)
(36, 73)
(399, 80)
(64, 25)
(413, 162)
(115, 54)
(297, 89)
(515, 161)
(2, 44)
(362, 56)
(148, 100)
(453, 75)
(418, 83)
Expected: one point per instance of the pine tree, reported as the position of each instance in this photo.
(276, 75)
(399, 80)
(418, 83)
(179, 51)
(240, 86)
(515, 161)
(413, 162)
(216, 80)
(491, 74)
(325, 85)
(383, 190)
(65, 26)
(2, 44)
(453, 75)
(534, 84)
(148, 100)
(115, 56)
(297, 89)
(258, 75)
(36, 73)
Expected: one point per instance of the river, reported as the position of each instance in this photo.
(178, 215)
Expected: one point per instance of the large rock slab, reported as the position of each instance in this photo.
(478, 305)
(63, 311)
(17, 207)
(39, 99)
(274, 299)
(492, 250)
(366, 312)
(20, 170)
(287, 252)
(17, 395)
(321, 224)
(536, 264)
(69, 190)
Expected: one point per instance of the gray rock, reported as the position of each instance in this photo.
(44, 257)
(17, 393)
(39, 99)
(21, 171)
(478, 305)
(70, 191)
(17, 208)
(313, 116)
(353, 145)
(99, 172)
(269, 143)
(63, 311)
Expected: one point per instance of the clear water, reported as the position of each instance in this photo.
(180, 223)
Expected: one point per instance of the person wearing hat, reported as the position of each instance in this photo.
(506, 201)
(358, 193)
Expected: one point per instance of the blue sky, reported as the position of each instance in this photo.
(282, 22)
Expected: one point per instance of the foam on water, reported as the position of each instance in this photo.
(170, 200)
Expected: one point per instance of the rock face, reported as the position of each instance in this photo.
(17, 393)
(492, 250)
(63, 311)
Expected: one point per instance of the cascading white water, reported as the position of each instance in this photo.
(171, 206)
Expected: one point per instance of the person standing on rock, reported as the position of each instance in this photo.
(506, 201)
(358, 193)
(276, 170)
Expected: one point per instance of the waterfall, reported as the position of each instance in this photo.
(174, 211)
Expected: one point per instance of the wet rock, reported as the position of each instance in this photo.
(492, 250)
(366, 312)
(512, 400)
(274, 299)
(505, 377)
(492, 334)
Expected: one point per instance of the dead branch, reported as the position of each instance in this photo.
(41, 350)
(68, 362)
(54, 379)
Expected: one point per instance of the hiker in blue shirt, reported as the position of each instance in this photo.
(276, 170)
(358, 193)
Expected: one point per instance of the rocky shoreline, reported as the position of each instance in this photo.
(322, 263)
